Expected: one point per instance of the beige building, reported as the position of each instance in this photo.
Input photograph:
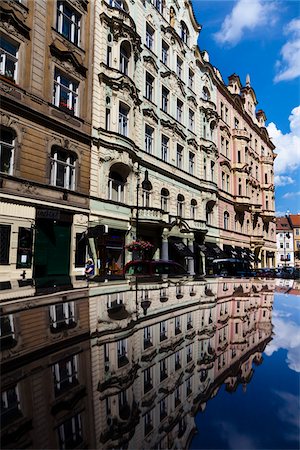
(45, 136)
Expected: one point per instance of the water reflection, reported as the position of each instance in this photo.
(119, 365)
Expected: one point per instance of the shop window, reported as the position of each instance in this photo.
(24, 253)
(125, 53)
(7, 332)
(62, 316)
(5, 232)
(70, 433)
(63, 165)
(10, 405)
(65, 93)
(65, 374)
(9, 58)
(7, 149)
(68, 22)
(80, 250)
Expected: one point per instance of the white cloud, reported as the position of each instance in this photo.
(286, 336)
(246, 15)
(287, 145)
(281, 180)
(288, 67)
(291, 194)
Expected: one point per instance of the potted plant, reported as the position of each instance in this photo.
(143, 248)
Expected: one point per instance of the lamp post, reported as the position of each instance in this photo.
(285, 235)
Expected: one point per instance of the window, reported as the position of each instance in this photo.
(62, 316)
(68, 22)
(146, 194)
(9, 58)
(10, 405)
(149, 37)
(179, 66)
(226, 220)
(123, 119)
(65, 93)
(159, 5)
(163, 408)
(179, 156)
(227, 183)
(191, 79)
(122, 352)
(191, 163)
(164, 199)
(114, 300)
(177, 360)
(223, 180)
(24, 252)
(116, 187)
(222, 110)
(162, 331)
(204, 169)
(107, 119)
(189, 322)
(177, 324)
(226, 114)
(119, 4)
(149, 132)
(193, 208)
(7, 332)
(236, 123)
(179, 115)
(165, 52)
(147, 338)
(109, 51)
(297, 231)
(165, 99)
(149, 86)
(148, 427)
(180, 205)
(5, 232)
(147, 380)
(7, 149)
(205, 93)
(212, 170)
(124, 57)
(191, 119)
(226, 148)
(189, 354)
(184, 33)
(163, 369)
(239, 156)
(70, 433)
(63, 165)
(164, 148)
(65, 373)
(80, 250)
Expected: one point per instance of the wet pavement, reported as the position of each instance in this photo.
(154, 364)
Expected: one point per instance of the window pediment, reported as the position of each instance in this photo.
(175, 38)
(64, 54)
(13, 21)
(193, 143)
(149, 112)
(150, 62)
(121, 82)
(174, 127)
(192, 100)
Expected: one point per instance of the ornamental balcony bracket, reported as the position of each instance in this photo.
(210, 114)
(118, 81)
(242, 203)
(209, 147)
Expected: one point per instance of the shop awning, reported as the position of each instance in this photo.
(211, 251)
(250, 255)
(182, 249)
(231, 251)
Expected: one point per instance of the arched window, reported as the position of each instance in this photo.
(116, 185)
(193, 208)
(184, 33)
(7, 150)
(147, 188)
(209, 213)
(63, 166)
(180, 205)
(119, 4)
(164, 196)
(226, 220)
(125, 53)
(205, 93)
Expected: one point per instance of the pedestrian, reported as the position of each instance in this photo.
(89, 268)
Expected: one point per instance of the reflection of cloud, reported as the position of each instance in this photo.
(281, 314)
(236, 439)
(287, 336)
(289, 412)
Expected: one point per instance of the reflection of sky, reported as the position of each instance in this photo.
(267, 415)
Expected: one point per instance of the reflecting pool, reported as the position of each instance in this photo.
(171, 363)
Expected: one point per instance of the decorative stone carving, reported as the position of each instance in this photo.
(149, 112)
(13, 19)
(119, 82)
(67, 58)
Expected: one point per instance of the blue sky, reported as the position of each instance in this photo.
(262, 38)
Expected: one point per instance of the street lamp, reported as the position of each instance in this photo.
(285, 235)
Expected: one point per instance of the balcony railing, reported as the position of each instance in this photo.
(240, 134)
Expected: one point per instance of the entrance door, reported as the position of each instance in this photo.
(52, 248)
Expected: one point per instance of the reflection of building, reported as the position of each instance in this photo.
(45, 384)
(124, 367)
(153, 378)
(45, 136)
(285, 243)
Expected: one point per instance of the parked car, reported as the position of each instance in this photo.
(288, 273)
(266, 273)
(232, 267)
(154, 268)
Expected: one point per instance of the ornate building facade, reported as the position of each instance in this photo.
(114, 128)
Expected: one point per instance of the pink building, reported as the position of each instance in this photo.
(246, 177)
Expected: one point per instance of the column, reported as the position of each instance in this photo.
(165, 245)
(191, 261)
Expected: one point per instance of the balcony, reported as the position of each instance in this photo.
(197, 225)
(267, 186)
(239, 166)
(267, 159)
(267, 215)
(150, 215)
(256, 208)
(240, 134)
(242, 203)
